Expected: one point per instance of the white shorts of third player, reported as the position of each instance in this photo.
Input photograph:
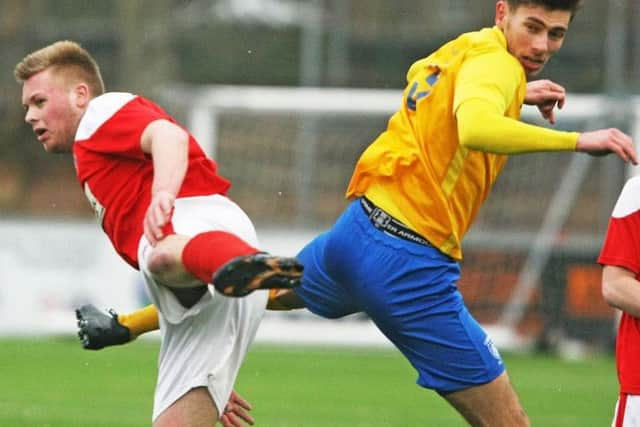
(631, 416)
(203, 346)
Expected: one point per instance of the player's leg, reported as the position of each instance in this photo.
(194, 409)
(494, 404)
(140, 321)
(98, 329)
(318, 292)
(200, 358)
(235, 267)
(409, 290)
(451, 352)
(198, 352)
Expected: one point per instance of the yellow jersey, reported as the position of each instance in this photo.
(417, 170)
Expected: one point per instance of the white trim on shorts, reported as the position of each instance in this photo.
(631, 412)
(203, 346)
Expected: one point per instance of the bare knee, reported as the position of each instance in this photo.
(165, 260)
(494, 404)
(161, 262)
(194, 409)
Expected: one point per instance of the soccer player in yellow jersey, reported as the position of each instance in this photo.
(394, 253)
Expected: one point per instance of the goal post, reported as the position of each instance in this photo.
(529, 257)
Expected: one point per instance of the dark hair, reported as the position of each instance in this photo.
(570, 5)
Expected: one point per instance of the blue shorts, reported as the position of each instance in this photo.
(408, 290)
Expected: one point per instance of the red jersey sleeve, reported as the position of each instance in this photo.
(622, 248)
(622, 243)
(120, 134)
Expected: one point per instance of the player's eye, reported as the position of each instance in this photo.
(556, 35)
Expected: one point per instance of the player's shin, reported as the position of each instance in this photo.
(140, 321)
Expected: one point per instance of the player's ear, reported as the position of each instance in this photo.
(502, 8)
(81, 95)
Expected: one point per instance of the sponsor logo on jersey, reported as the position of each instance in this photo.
(97, 207)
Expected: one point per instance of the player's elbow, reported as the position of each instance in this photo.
(473, 137)
(168, 131)
(609, 293)
(469, 138)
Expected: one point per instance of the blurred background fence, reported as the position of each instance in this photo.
(290, 168)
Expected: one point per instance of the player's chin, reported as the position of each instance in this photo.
(533, 71)
(51, 148)
(55, 148)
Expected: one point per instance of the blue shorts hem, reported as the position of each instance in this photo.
(463, 386)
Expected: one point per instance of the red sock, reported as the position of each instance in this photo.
(206, 252)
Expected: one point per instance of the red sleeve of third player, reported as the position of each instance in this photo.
(622, 243)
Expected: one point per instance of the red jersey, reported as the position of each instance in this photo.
(622, 248)
(116, 174)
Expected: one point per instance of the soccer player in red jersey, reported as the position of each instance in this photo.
(620, 258)
(161, 202)
(395, 251)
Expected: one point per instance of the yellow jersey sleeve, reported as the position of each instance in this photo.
(485, 87)
(482, 128)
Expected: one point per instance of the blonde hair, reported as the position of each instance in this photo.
(65, 55)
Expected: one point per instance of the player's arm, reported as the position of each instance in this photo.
(487, 85)
(168, 145)
(621, 290)
(483, 93)
(485, 129)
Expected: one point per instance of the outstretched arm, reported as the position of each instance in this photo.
(481, 127)
(483, 94)
(546, 95)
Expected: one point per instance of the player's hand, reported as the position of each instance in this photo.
(235, 413)
(546, 95)
(158, 215)
(606, 141)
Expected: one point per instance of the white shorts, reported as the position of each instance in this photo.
(203, 346)
(630, 415)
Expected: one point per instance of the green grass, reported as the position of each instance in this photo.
(56, 384)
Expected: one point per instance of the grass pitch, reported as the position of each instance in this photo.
(54, 383)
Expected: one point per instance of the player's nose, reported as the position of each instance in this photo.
(30, 116)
